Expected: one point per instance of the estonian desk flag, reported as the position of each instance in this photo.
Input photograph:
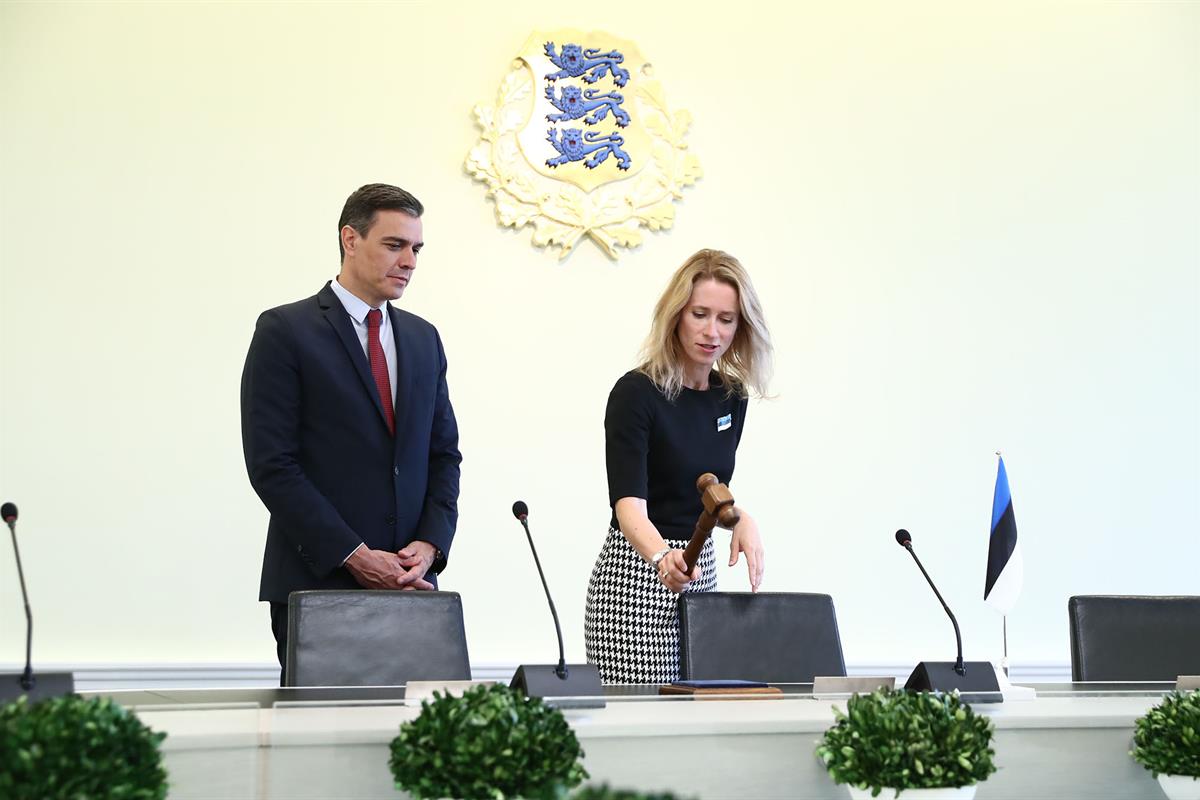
(1004, 568)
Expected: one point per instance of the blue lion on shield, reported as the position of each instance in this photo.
(575, 104)
(589, 64)
(575, 145)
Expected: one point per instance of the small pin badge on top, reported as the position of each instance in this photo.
(724, 423)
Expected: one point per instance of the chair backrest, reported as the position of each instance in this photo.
(375, 638)
(776, 637)
(1115, 638)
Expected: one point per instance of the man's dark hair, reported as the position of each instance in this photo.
(360, 208)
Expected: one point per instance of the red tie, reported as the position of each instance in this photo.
(379, 370)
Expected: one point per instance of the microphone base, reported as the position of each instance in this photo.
(977, 685)
(46, 685)
(580, 689)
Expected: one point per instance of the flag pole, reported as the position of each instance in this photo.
(1004, 661)
(1004, 621)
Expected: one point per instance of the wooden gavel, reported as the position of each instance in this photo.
(718, 510)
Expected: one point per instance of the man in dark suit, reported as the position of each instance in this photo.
(347, 428)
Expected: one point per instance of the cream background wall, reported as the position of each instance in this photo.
(974, 226)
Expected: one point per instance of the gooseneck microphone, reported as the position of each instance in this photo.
(579, 682)
(50, 684)
(976, 680)
(521, 512)
(905, 540)
(8, 512)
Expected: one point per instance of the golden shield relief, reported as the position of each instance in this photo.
(579, 142)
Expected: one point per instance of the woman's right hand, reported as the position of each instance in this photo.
(673, 572)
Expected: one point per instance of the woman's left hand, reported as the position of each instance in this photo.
(746, 540)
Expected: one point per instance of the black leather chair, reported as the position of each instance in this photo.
(1116, 638)
(375, 638)
(775, 637)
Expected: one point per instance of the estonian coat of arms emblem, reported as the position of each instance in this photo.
(580, 143)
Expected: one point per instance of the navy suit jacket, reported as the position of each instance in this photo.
(318, 450)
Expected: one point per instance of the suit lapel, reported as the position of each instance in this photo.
(403, 367)
(336, 316)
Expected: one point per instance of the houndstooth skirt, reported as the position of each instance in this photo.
(631, 623)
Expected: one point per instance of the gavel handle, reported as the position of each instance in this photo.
(704, 527)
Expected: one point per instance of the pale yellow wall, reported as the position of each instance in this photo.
(974, 226)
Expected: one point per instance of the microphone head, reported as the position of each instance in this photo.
(902, 538)
(520, 510)
(8, 512)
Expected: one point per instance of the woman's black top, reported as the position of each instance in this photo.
(656, 449)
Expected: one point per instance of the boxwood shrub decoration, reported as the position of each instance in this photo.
(605, 793)
(907, 740)
(489, 743)
(74, 748)
(1166, 740)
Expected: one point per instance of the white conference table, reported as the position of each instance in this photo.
(269, 744)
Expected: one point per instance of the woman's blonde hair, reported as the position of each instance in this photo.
(746, 365)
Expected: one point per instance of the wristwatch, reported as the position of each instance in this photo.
(659, 556)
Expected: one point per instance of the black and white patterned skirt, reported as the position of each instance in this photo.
(631, 624)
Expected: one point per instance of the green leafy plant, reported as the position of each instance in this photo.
(605, 793)
(907, 740)
(491, 742)
(73, 747)
(1166, 739)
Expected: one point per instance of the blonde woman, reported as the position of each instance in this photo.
(678, 415)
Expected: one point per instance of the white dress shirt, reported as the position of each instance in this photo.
(357, 310)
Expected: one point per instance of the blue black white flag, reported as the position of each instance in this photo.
(1004, 567)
